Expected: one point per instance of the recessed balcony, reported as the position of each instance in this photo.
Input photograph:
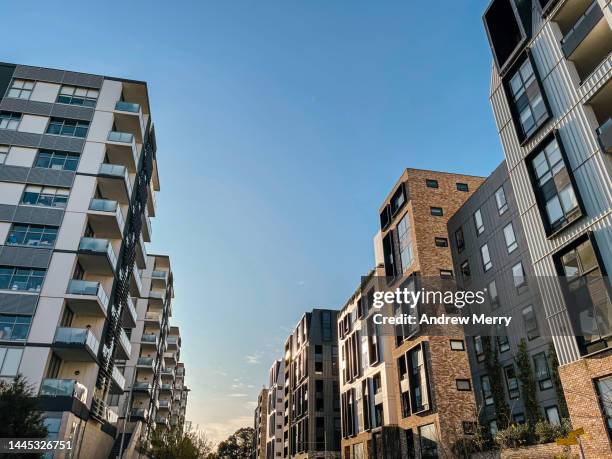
(146, 363)
(152, 321)
(97, 256)
(69, 388)
(121, 149)
(173, 342)
(162, 421)
(129, 119)
(117, 380)
(167, 374)
(167, 388)
(159, 279)
(149, 339)
(124, 347)
(114, 182)
(604, 133)
(139, 414)
(164, 404)
(135, 283)
(157, 299)
(129, 315)
(76, 344)
(86, 298)
(106, 218)
(170, 358)
(142, 387)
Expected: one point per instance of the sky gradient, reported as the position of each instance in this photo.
(281, 127)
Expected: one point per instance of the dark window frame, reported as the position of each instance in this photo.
(441, 241)
(463, 187)
(434, 209)
(463, 380)
(432, 183)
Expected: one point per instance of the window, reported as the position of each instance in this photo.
(45, 196)
(419, 382)
(478, 348)
(441, 242)
(487, 393)
(493, 295)
(58, 160)
(431, 183)
(457, 345)
(604, 393)
(518, 274)
(530, 322)
(478, 222)
(10, 120)
(528, 105)
(398, 200)
(389, 257)
(552, 415)
(77, 96)
(428, 440)
(463, 384)
(385, 217)
(23, 279)
(459, 240)
(436, 211)
(69, 128)
(326, 325)
(21, 89)
(486, 258)
(500, 200)
(462, 187)
(465, 271)
(446, 273)
(493, 427)
(503, 343)
(4, 151)
(542, 372)
(469, 427)
(553, 187)
(404, 234)
(510, 238)
(14, 328)
(10, 358)
(32, 235)
(512, 382)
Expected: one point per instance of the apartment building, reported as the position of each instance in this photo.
(369, 387)
(78, 178)
(311, 423)
(436, 403)
(179, 402)
(276, 408)
(490, 253)
(261, 425)
(551, 92)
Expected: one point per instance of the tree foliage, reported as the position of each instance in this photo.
(528, 386)
(554, 373)
(176, 444)
(239, 445)
(494, 371)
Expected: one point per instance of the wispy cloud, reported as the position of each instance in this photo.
(253, 359)
(237, 395)
(219, 431)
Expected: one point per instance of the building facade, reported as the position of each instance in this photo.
(311, 423)
(551, 92)
(78, 178)
(276, 408)
(261, 425)
(490, 253)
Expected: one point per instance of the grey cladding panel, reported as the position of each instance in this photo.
(25, 257)
(17, 304)
(83, 79)
(38, 216)
(21, 139)
(58, 76)
(13, 173)
(26, 106)
(58, 142)
(6, 212)
(72, 112)
(50, 177)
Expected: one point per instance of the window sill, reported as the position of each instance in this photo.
(552, 234)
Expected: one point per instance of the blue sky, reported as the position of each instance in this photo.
(281, 127)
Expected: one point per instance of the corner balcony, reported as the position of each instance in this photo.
(147, 230)
(139, 414)
(129, 315)
(124, 347)
(149, 340)
(170, 358)
(117, 381)
(166, 388)
(105, 218)
(68, 388)
(129, 118)
(121, 148)
(604, 133)
(157, 299)
(86, 298)
(146, 363)
(114, 182)
(167, 374)
(152, 321)
(143, 387)
(97, 256)
(164, 405)
(173, 342)
(76, 344)
(135, 283)
(159, 279)
(141, 253)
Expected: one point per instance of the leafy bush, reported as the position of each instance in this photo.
(514, 436)
(548, 433)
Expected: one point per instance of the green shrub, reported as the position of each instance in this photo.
(548, 433)
(514, 436)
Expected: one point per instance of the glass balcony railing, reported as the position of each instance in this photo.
(122, 137)
(172, 340)
(118, 377)
(84, 336)
(142, 387)
(127, 107)
(113, 170)
(97, 245)
(87, 288)
(145, 362)
(168, 372)
(164, 404)
(149, 338)
(166, 387)
(63, 388)
(103, 205)
(159, 274)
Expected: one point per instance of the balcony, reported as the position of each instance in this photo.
(121, 148)
(145, 363)
(143, 387)
(153, 320)
(166, 388)
(68, 388)
(149, 339)
(128, 118)
(147, 230)
(167, 373)
(87, 298)
(157, 299)
(173, 342)
(180, 371)
(129, 315)
(604, 133)
(118, 381)
(170, 358)
(159, 279)
(124, 347)
(135, 283)
(141, 253)
(164, 404)
(113, 182)
(105, 218)
(97, 256)
(151, 201)
(162, 421)
(588, 41)
(139, 414)
(76, 344)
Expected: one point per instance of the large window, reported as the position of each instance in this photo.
(404, 234)
(604, 393)
(32, 235)
(21, 89)
(527, 102)
(493, 295)
(428, 440)
(510, 238)
(553, 187)
(24, 279)
(478, 223)
(10, 120)
(518, 275)
(486, 258)
(77, 96)
(398, 200)
(487, 392)
(542, 372)
(45, 196)
(10, 358)
(419, 382)
(459, 240)
(512, 383)
(58, 160)
(14, 328)
(69, 128)
(389, 256)
(500, 200)
(466, 273)
(530, 322)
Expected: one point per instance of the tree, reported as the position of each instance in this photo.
(528, 388)
(239, 445)
(502, 410)
(19, 413)
(554, 373)
(176, 444)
